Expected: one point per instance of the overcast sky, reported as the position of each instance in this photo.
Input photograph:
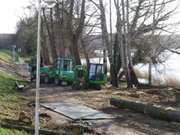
(12, 10)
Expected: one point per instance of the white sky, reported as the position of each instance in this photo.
(12, 10)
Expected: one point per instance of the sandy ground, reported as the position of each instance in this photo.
(126, 122)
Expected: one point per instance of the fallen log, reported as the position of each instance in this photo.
(152, 110)
(30, 129)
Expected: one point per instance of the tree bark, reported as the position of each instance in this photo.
(105, 35)
(125, 34)
(116, 63)
(60, 29)
(114, 48)
(76, 35)
(44, 51)
(112, 55)
(151, 110)
(50, 36)
(85, 53)
(75, 50)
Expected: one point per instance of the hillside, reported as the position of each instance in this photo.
(11, 100)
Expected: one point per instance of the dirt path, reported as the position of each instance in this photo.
(125, 123)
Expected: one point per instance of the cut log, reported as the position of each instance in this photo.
(149, 109)
(125, 104)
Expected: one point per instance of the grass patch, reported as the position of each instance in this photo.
(11, 102)
(10, 99)
(4, 131)
(6, 56)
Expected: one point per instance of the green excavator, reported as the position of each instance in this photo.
(92, 77)
(79, 76)
(61, 71)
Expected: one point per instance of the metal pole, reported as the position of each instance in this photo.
(37, 109)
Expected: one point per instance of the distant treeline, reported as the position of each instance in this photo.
(7, 40)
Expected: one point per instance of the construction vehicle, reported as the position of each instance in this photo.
(62, 71)
(92, 77)
(78, 76)
(44, 73)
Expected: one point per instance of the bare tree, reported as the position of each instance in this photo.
(75, 32)
(50, 31)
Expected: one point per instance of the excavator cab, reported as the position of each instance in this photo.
(64, 71)
(96, 72)
(93, 77)
(97, 77)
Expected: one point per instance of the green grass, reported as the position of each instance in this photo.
(6, 56)
(11, 102)
(4, 131)
(10, 99)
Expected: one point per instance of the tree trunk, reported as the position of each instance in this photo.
(46, 48)
(44, 52)
(116, 63)
(151, 110)
(112, 55)
(85, 53)
(113, 68)
(110, 26)
(153, 36)
(150, 73)
(134, 79)
(105, 61)
(114, 78)
(76, 35)
(75, 50)
(126, 58)
(60, 29)
(50, 36)
(105, 35)
(120, 38)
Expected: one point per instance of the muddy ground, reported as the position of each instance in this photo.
(126, 122)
